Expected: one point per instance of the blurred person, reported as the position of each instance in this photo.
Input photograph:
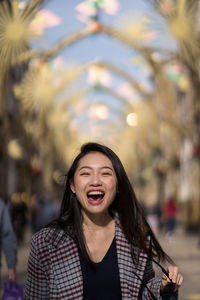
(49, 208)
(100, 246)
(169, 215)
(43, 210)
(8, 241)
(35, 214)
(153, 213)
(18, 211)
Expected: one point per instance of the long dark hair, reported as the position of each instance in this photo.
(131, 216)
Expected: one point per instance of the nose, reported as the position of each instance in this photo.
(95, 180)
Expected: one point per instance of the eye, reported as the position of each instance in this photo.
(106, 173)
(85, 174)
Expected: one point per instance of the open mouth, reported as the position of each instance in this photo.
(95, 197)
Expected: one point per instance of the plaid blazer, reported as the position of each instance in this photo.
(54, 270)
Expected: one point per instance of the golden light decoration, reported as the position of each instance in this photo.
(99, 111)
(132, 119)
(99, 75)
(58, 117)
(14, 149)
(42, 84)
(126, 90)
(183, 26)
(36, 90)
(15, 32)
(136, 27)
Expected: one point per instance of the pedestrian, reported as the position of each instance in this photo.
(49, 209)
(7, 241)
(152, 214)
(18, 212)
(100, 247)
(170, 212)
(35, 214)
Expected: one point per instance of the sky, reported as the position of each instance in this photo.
(103, 48)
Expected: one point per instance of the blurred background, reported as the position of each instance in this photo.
(123, 73)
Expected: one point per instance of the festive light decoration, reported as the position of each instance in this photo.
(89, 8)
(14, 149)
(15, 30)
(132, 119)
(126, 90)
(89, 12)
(167, 7)
(182, 20)
(99, 111)
(41, 85)
(44, 19)
(36, 90)
(99, 75)
(136, 27)
(58, 116)
(176, 74)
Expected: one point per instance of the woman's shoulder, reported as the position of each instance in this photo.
(48, 235)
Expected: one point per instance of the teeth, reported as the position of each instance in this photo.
(95, 193)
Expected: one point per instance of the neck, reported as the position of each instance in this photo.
(97, 221)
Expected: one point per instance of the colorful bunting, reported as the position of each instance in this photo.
(44, 19)
(89, 9)
(99, 75)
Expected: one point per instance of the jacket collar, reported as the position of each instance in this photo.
(56, 237)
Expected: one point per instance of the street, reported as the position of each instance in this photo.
(184, 251)
(181, 247)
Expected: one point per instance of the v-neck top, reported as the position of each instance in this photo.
(102, 281)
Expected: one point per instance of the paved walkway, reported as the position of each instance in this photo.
(182, 248)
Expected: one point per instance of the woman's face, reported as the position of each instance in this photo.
(95, 183)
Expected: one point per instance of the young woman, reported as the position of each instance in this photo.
(101, 246)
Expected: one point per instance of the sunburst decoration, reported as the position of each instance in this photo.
(58, 117)
(41, 85)
(136, 26)
(182, 19)
(36, 92)
(15, 32)
(21, 22)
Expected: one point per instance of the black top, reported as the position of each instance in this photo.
(102, 282)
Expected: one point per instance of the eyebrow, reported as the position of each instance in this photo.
(88, 167)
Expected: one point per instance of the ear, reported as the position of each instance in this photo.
(72, 187)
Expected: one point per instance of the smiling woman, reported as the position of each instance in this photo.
(101, 246)
(95, 185)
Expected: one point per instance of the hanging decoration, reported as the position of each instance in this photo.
(89, 11)
(99, 111)
(167, 7)
(176, 73)
(182, 24)
(136, 25)
(44, 19)
(98, 75)
(15, 30)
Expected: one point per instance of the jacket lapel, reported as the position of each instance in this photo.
(130, 283)
(65, 266)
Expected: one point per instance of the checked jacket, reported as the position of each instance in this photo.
(54, 270)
